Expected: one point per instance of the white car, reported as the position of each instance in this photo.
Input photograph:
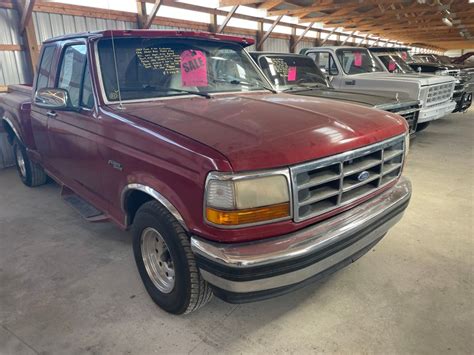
(356, 69)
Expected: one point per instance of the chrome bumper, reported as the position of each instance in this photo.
(257, 268)
(435, 112)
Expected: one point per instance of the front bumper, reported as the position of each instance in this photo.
(257, 270)
(438, 111)
(463, 101)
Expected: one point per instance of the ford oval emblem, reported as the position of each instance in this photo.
(364, 175)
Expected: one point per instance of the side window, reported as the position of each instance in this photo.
(325, 62)
(87, 97)
(45, 67)
(72, 70)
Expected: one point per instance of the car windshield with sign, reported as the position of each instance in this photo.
(358, 61)
(153, 68)
(287, 71)
(395, 64)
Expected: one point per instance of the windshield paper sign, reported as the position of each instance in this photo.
(291, 73)
(358, 59)
(193, 68)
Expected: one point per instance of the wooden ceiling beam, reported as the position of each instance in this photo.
(301, 36)
(269, 31)
(227, 18)
(224, 3)
(26, 14)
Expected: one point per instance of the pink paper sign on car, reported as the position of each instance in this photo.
(291, 73)
(358, 59)
(193, 68)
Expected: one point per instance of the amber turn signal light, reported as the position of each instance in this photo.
(248, 216)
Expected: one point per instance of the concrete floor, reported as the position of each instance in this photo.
(67, 286)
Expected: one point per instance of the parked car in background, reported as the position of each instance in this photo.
(356, 69)
(394, 62)
(298, 74)
(466, 60)
(467, 71)
(227, 186)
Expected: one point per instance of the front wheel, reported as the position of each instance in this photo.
(422, 126)
(165, 261)
(31, 173)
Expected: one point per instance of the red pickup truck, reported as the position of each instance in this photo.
(228, 187)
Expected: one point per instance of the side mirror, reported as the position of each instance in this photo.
(53, 99)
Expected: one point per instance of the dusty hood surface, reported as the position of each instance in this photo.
(423, 79)
(258, 131)
(353, 97)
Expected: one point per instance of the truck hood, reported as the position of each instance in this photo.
(421, 79)
(353, 97)
(260, 130)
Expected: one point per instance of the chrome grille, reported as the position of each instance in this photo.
(439, 93)
(410, 114)
(323, 185)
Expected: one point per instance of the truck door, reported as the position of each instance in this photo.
(73, 135)
(325, 61)
(39, 116)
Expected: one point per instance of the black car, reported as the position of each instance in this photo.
(399, 60)
(299, 75)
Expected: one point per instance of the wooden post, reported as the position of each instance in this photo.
(227, 18)
(270, 30)
(292, 49)
(27, 28)
(258, 42)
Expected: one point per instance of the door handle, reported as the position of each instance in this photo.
(51, 114)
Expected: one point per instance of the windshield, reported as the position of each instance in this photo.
(286, 71)
(163, 67)
(395, 64)
(357, 61)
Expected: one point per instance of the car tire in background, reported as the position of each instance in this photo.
(165, 261)
(422, 126)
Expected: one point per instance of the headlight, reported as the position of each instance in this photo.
(238, 200)
(441, 72)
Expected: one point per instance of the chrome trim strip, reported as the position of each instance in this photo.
(157, 196)
(10, 123)
(302, 243)
(215, 175)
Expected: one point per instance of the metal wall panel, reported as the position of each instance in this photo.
(53, 25)
(13, 67)
(276, 45)
(304, 43)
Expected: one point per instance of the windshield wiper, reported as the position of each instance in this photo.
(302, 87)
(153, 88)
(239, 82)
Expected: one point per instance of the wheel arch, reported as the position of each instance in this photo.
(135, 195)
(12, 132)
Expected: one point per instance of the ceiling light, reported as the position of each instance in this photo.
(447, 22)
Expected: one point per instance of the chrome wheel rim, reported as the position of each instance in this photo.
(157, 259)
(20, 161)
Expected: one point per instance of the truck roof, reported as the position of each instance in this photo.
(244, 41)
(256, 53)
(388, 49)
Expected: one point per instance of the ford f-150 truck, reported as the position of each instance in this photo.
(228, 187)
(355, 69)
(298, 74)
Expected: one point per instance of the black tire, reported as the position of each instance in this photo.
(422, 126)
(31, 174)
(190, 291)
